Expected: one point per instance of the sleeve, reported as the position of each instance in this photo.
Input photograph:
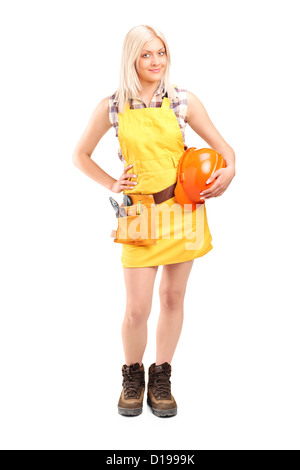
(183, 104)
(113, 113)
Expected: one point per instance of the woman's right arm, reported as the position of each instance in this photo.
(98, 125)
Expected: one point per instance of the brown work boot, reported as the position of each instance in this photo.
(131, 399)
(159, 396)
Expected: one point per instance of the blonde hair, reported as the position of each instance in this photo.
(129, 85)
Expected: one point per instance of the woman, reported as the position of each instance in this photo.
(149, 116)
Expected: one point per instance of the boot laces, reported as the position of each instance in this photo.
(162, 384)
(132, 382)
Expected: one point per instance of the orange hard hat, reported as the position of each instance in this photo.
(194, 169)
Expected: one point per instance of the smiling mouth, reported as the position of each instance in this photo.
(155, 70)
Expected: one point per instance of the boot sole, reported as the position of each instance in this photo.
(162, 413)
(129, 412)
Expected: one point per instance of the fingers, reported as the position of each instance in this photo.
(127, 168)
(208, 193)
(215, 175)
(127, 184)
(128, 175)
(124, 184)
(214, 189)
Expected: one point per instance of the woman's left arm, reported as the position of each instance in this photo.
(199, 121)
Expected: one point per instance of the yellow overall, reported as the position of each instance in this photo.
(151, 140)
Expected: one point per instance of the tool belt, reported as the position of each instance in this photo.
(138, 228)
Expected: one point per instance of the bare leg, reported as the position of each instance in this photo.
(139, 284)
(172, 291)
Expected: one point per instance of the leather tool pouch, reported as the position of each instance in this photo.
(137, 229)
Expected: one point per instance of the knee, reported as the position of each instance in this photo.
(136, 314)
(171, 299)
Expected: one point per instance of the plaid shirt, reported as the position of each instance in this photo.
(179, 107)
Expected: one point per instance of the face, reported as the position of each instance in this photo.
(152, 61)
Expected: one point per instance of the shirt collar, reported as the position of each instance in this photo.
(160, 91)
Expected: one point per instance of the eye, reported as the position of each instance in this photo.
(147, 55)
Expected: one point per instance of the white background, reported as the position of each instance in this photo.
(236, 369)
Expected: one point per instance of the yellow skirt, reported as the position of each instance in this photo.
(181, 236)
